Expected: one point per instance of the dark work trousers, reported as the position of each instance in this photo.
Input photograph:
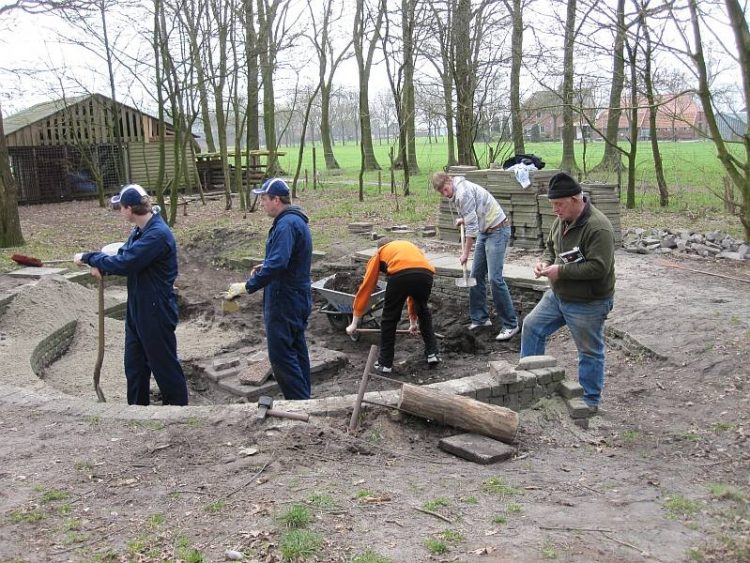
(290, 361)
(416, 284)
(153, 349)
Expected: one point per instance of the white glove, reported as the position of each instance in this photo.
(352, 328)
(78, 259)
(235, 290)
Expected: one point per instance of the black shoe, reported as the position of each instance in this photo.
(433, 360)
(377, 368)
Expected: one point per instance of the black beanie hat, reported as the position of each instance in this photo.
(562, 185)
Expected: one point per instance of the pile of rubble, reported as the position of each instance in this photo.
(714, 244)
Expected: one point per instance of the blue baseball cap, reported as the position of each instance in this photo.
(273, 187)
(130, 195)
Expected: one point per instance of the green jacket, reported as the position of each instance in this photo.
(593, 277)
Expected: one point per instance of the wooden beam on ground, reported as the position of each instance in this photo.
(461, 412)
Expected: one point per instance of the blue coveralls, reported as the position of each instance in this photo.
(287, 300)
(149, 260)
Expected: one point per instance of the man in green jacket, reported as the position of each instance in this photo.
(580, 265)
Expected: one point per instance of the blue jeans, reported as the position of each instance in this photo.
(585, 320)
(489, 257)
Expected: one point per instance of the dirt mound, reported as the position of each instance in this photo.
(345, 282)
(47, 305)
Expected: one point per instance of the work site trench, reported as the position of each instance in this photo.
(49, 328)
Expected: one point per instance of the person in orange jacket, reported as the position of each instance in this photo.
(409, 280)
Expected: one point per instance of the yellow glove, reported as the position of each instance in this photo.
(235, 290)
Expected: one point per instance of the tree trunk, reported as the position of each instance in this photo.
(634, 129)
(464, 80)
(251, 52)
(661, 181)
(267, 58)
(737, 169)
(364, 66)
(461, 412)
(568, 161)
(612, 158)
(408, 26)
(515, 77)
(10, 223)
(305, 121)
(325, 128)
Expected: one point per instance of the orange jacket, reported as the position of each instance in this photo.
(396, 256)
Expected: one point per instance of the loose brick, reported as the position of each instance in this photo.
(535, 362)
(502, 371)
(570, 389)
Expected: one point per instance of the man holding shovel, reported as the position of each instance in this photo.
(409, 280)
(284, 277)
(482, 219)
(149, 260)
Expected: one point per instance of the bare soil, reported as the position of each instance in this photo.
(661, 475)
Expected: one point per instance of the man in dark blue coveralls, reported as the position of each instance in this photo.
(149, 260)
(284, 277)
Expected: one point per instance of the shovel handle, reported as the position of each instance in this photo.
(290, 415)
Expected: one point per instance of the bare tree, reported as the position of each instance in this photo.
(736, 164)
(516, 10)
(366, 34)
(648, 56)
(568, 161)
(440, 30)
(323, 42)
(612, 158)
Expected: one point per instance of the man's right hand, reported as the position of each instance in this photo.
(540, 269)
(78, 259)
(351, 330)
(235, 290)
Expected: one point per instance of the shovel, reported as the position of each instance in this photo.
(465, 281)
(110, 250)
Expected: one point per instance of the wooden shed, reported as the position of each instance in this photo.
(59, 149)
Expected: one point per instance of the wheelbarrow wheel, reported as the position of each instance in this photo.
(340, 322)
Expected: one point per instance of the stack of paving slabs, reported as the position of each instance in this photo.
(520, 205)
(604, 197)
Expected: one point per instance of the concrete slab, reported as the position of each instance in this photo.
(477, 448)
(36, 273)
(250, 392)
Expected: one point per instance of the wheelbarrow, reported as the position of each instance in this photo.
(339, 304)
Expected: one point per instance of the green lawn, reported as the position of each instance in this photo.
(693, 173)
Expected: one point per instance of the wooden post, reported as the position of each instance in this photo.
(362, 388)
(303, 189)
(393, 172)
(380, 181)
(315, 169)
(462, 412)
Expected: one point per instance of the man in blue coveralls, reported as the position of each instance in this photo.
(149, 260)
(284, 277)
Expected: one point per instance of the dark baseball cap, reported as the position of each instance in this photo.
(273, 187)
(130, 195)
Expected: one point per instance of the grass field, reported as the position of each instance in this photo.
(693, 173)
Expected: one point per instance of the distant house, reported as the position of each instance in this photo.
(61, 149)
(678, 118)
(542, 115)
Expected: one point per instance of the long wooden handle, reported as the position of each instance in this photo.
(100, 352)
(398, 331)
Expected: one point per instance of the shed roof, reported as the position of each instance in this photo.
(43, 110)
